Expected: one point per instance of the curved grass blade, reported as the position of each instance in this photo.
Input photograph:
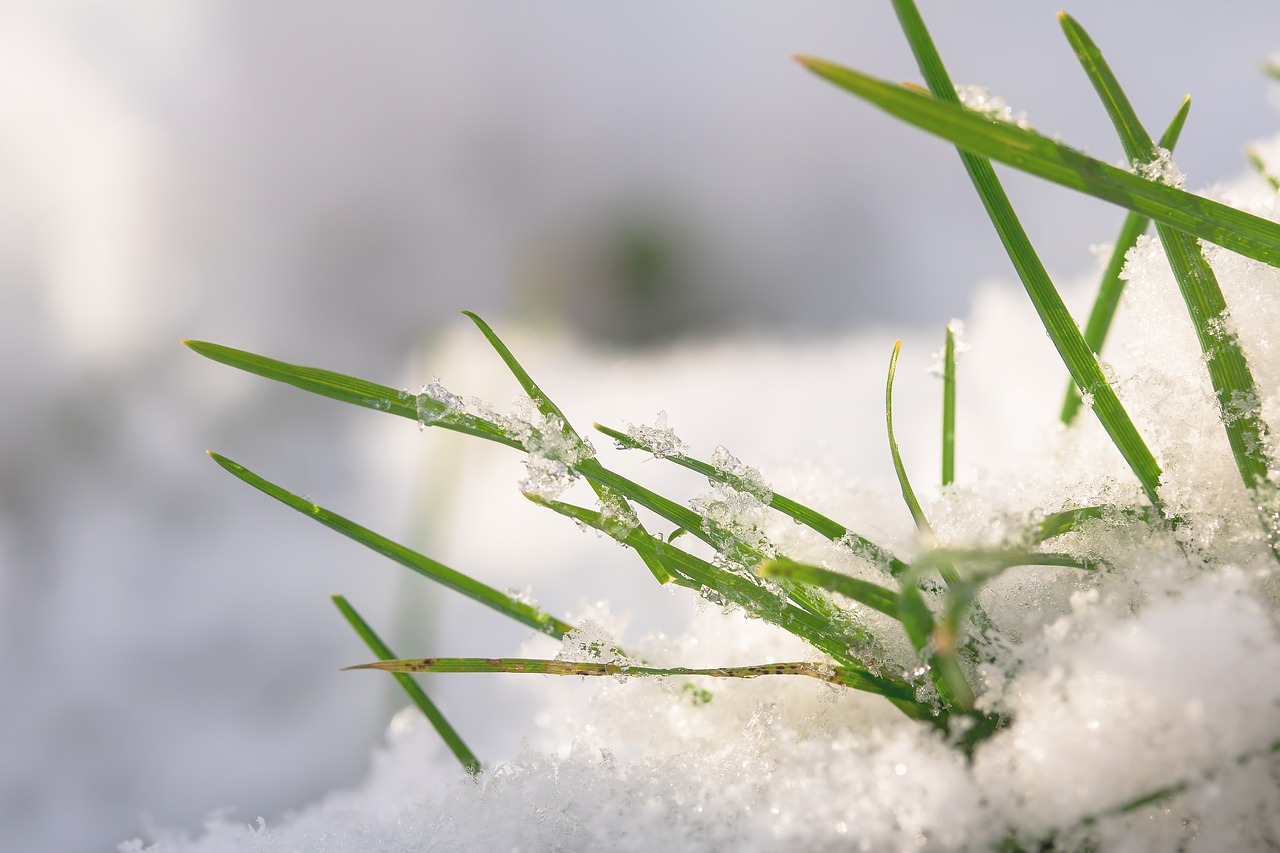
(508, 606)
(1038, 155)
(949, 407)
(873, 595)
(554, 416)
(908, 494)
(419, 696)
(1233, 382)
(358, 392)
(1057, 321)
(810, 518)
(542, 666)
(1112, 285)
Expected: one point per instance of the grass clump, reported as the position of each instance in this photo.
(931, 597)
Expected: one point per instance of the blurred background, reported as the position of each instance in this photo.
(330, 183)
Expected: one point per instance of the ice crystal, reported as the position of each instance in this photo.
(659, 439)
(981, 100)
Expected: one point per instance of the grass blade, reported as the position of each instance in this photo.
(747, 592)
(936, 648)
(873, 595)
(543, 666)
(908, 493)
(810, 518)
(556, 418)
(1256, 161)
(358, 392)
(1038, 155)
(1112, 285)
(1069, 519)
(419, 696)
(1057, 321)
(508, 606)
(1233, 383)
(949, 407)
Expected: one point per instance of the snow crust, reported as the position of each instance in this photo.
(1156, 674)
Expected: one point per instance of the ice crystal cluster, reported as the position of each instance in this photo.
(1156, 676)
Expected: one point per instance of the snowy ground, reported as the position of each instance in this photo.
(330, 185)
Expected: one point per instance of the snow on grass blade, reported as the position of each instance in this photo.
(555, 417)
(873, 595)
(840, 641)
(1062, 329)
(1112, 285)
(349, 389)
(1069, 519)
(1233, 383)
(542, 666)
(419, 696)
(810, 518)
(1038, 155)
(949, 408)
(508, 606)
(734, 551)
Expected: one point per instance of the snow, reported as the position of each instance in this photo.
(1154, 672)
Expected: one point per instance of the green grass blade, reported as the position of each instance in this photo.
(935, 649)
(908, 493)
(873, 595)
(994, 560)
(810, 518)
(508, 606)
(555, 417)
(419, 696)
(1112, 285)
(1069, 519)
(358, 392)
(1057, 321)
(1256, 161)
(1038, 155)
(543, 403)
(1233, 383)
(949, 408)
(735, 551)
(837, 640)
(543, 666)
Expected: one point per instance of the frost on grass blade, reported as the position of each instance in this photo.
(659, 439)
(875, 554)
(610, 498)
(981, 100)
